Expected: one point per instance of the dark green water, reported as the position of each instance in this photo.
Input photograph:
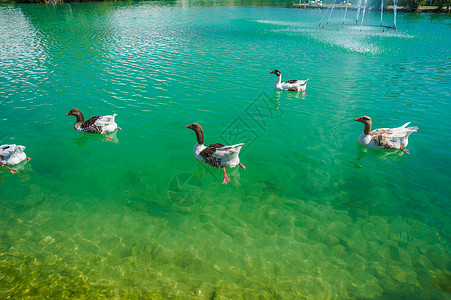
(314, 215)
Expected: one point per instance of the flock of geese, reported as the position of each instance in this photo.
(218, 155)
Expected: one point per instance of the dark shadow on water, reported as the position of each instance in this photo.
(83, 138)
(139, 192)
(392, 154)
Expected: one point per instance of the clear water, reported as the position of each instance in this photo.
(314, 215)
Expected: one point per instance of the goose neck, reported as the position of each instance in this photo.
(367, 129)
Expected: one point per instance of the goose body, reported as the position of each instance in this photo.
(96, 124)
(290, 85)
(12, 155)
(385, 138)
(216, 155)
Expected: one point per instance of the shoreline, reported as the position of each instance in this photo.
(388, 8)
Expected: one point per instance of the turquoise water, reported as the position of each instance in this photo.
(314, 215)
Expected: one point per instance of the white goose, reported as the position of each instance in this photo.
(216, 155)
(97, 124)
(290, 85)
(386, 138)
(12, 155)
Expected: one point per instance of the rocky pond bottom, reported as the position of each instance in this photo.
(315, 215)
(257, 246)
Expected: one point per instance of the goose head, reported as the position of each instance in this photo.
(199, 132)
(364, 120)
(367, 122)
(276, 71)
(77, 113)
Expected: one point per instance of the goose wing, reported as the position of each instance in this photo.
(91, 126)
(296, 82)
(227, 151)
(105, 120)
(220, 151)
(404, 131)
(391, 137)
(8, 150)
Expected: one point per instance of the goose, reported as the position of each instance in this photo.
(12, 155)
(97, 124)
(385, 138)
(290, 85)
(216, 155)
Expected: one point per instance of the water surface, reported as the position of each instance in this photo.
(314, 215)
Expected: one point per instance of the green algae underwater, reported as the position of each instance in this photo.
(313, 216)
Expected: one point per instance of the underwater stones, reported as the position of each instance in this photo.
(405, 257)
(237, 273)
(51, 259)
(278, 217)
(282, 242)
(319, 247)
(424, 261)
(403, 274)
(394, 253)
(300, 234)
(382, 231)
(210, 228)
(268, 229)
(356, 243)
(355, 262)
(151, 260)
(339, 229)
(235, 231)
(437, 256)
(377, 268)
(203, 218)
(339, 251)
(369, 231)
(364, 286)
(83, 245)
(188, 259)
(161, 255)
(48, 240)
(216, 211)
(113, 260)
(142, 250)
(441, 280)
(398, 236)
(412, 250)
(293, 260)
(315, 287)
(351, 245)
(326, 237)
(306, 222)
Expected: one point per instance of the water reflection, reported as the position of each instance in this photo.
(84, 138)
(392, 154)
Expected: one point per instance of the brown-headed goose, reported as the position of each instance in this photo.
(216, 155)
(12, 155)
(385, 138)
(97, 124)
(290, 85)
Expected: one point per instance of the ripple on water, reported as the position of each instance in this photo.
(314, 214)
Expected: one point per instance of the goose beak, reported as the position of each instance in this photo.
(68, 114)
(189, 126)
(358, 119)
(272, 72)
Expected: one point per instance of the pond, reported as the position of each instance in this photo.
(314, 214)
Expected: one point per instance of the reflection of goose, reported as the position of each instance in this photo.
(386, 138)
(290, 85)
(216, 155)
(97, 124)
(12, 155)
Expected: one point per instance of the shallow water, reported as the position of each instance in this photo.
(314, 215)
